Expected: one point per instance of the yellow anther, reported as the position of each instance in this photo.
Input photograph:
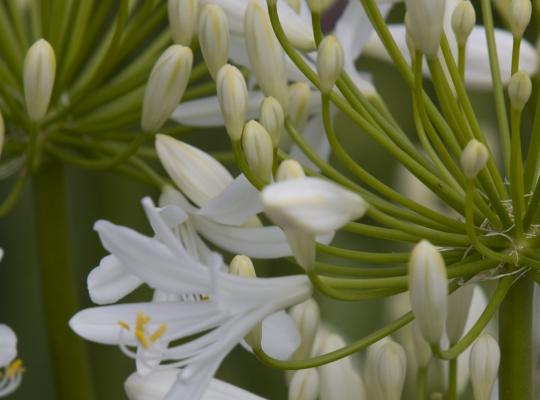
(124, 325)
(158, 333)
(16, 367)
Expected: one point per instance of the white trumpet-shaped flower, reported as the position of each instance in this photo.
(11, 368)
(218, 307)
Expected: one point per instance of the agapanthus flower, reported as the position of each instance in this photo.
(11, 367)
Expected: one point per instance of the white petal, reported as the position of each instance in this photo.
(196, 173)
(110, 281)
(8, 345)
(235, 204)
(150, 387)
(280, 336)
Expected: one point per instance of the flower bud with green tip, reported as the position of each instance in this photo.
(289, 169)
(214, 38)
(183, 16)
(233, 100)
(428, 290)
(39, 73)
(425, 25)
(519, 16)
(519, 90)
(330, 59)
(257, 146)
(272, 118)
(463, 20)
(484, 363)
(474, 158)
(166, 86)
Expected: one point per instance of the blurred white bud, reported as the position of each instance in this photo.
(391, 367)
(330, 59)
(459, 303)
(422, 350)
(233, 100)
(39, 72)
(272, 118)
(428, 290)
(304, 385)
(426, 24)
(166, 85)
(183, 16)
(299, 97)
(519, 90)
(265, 53)
(519, 16)
(289, 169)
(484, 363)
(463, 20)
(311, 204)
(257, 146)
(306, 315)
(214, 38)
(474, 158)
(319, 6)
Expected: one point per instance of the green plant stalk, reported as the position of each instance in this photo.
(71, 371)
(515, 341)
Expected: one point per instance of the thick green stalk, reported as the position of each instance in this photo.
(515, 341)
(69, 360)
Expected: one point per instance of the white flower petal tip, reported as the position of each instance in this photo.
(484, 364)
(311, 204)
(39, 73)
(428, 290)
(196, 173)
(8, 345)
(166, 85)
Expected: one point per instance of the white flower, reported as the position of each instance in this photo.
(484, 364)
(218, 307)
(11, 368)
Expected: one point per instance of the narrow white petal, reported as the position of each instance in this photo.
(280, 336)
(8, 345)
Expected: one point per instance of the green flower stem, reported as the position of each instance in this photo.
(366, 256)
(515, 342)
(515, 54)
(461, 60)
(479, 326)
(421, 383)
(13, 195)
(317, 29)
(18, 23)
(71, 370)
(363, 272)
(532, 210)
(452, 379)
(244, 167)
(60, 20)
(12, 55)
(498, 93)
(532, 164)
(516, 173)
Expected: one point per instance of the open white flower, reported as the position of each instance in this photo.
(11, 368)
(219, 307)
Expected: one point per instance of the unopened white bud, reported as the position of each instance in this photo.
(330, 59)
(299, 102)
(474, 158)
(311, 204)
(463, 20)
(272, 118)
(428, 290)
(306, 315)
(233, 100)
(519, 90)
(2, 133)
(319, 6)
(265, 53)
(214, 38)
(39, 72)
(289, 169)
(519, 16)
(166, 86)
(459, 303)
(258, 149)
(390, 366)
(183, 16)
(426, 24)
(304, 385)
(483, 365)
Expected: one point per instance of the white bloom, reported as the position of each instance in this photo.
(474, 158)
(214, 38)
(519, 90)
(463, 20)
(386, 365)
(258, 149)
(218, 307)
(484, 364)
(426, 24)
(233, 96)
(11, 369)
(306, 315)
(183, 17)
(272, 118)
(330, 60)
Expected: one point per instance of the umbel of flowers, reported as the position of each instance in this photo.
(120, 91)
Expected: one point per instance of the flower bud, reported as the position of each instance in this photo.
(272, 118)
(426, 24)
(519, 90)
(304, 385)
(330, 59)
(299, 96)
(166, 85)
(428, 290)
(459, 303)
(289, 169)
(257, 146)
(198, 175)
(311, 204)
(38, 78)
(390, 368)
(2, 135)
(484, 363)
(306, 315)
(463, 20)
(153, 386)
(214, 38)
(519, 16)
(265, 53)
(319, 6)
(233, 100)
(183, 16)
(474, 158)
